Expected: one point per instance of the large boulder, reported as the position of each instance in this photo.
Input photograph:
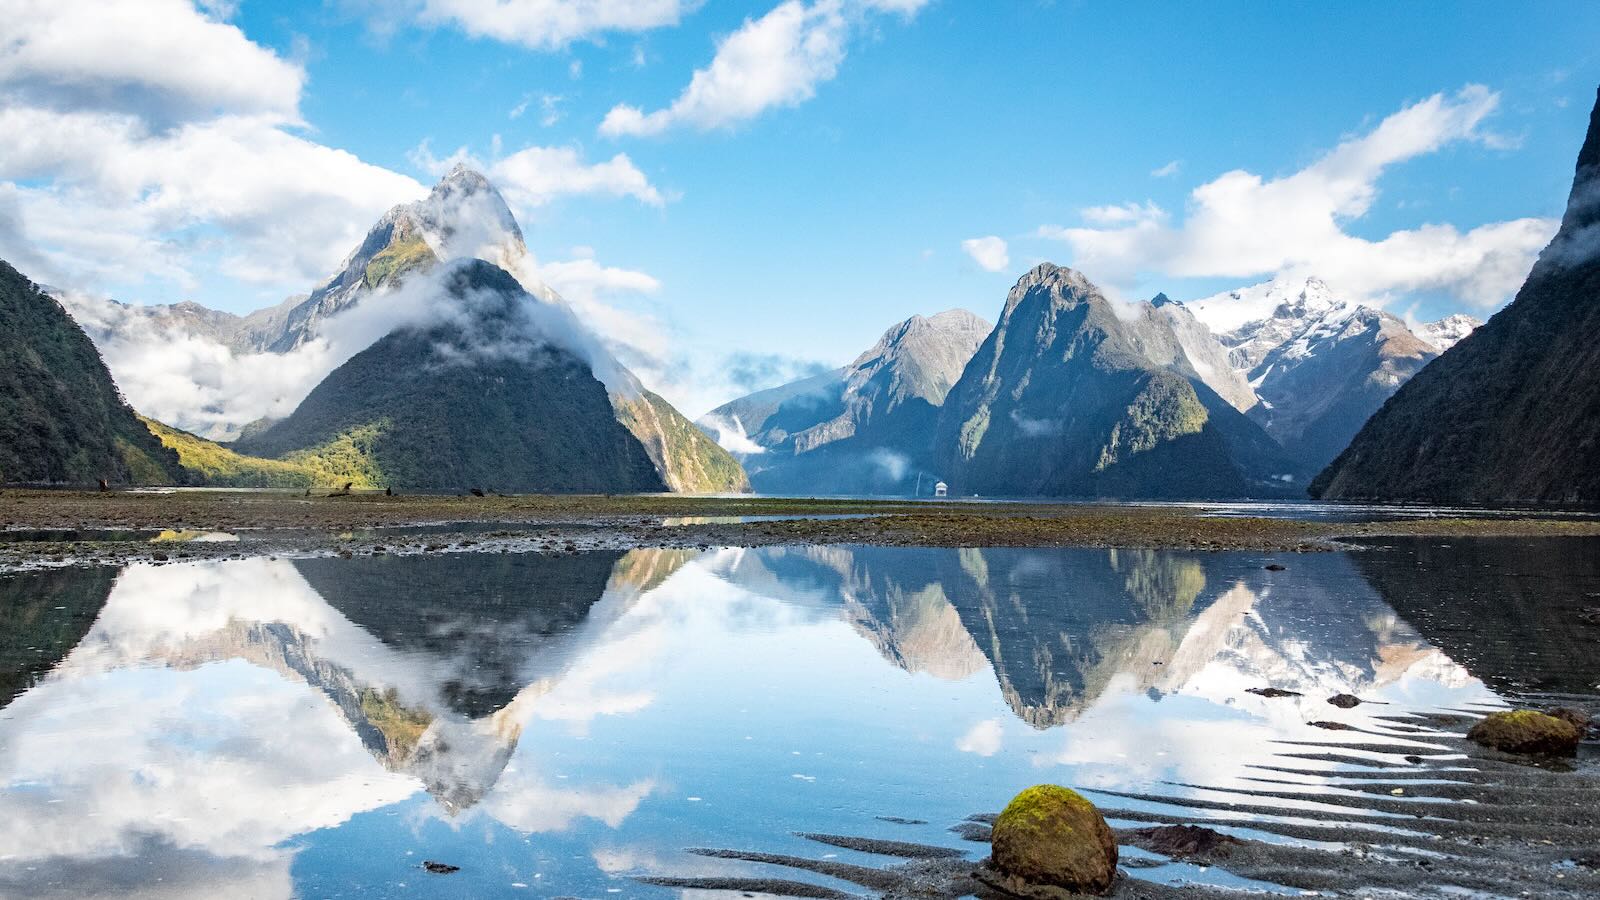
(1050, 841)
(1527, 731)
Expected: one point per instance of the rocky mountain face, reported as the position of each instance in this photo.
(61, 416)
(1074, 396)
(1319, 366)
(864, 428)
(1511, 413)
(483, 398)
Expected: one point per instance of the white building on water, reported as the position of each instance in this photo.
(940, 489)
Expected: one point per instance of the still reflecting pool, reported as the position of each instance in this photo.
(565, 724)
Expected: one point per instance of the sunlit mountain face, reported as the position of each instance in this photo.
(568, 724)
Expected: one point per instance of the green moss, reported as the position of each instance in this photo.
(1527, 731)
(1051, 836)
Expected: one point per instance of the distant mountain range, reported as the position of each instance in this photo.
(61, 417)
(866, 428)
(1511, 413)
(1094, 399)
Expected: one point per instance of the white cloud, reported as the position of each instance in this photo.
(1240, 225)
(776, 60)
(983, 739)
(122, 56)
(988, 252)
(546, 24)
(1124, 214)
(269, 206)
(178, 167)
(533, 176)
(1166, 171)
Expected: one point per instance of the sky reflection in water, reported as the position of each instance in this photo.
(555, 725)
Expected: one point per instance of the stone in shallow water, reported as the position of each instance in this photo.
(1185, 840)
(1345, 701)
(1050, 841)
(1526, 731)
(1271, 692)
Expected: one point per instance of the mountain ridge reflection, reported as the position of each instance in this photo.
(226, 716)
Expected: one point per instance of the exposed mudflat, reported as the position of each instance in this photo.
(58, 527)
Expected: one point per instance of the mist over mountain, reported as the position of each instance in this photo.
(1072, 395)
(484, 398)
(398, 280)
(864, 428)
(61, 417)
(1512, 412)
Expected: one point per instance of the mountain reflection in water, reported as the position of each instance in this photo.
(277, 728)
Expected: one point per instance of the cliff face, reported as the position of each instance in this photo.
(1512, 412)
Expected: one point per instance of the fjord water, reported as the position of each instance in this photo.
(565, 724)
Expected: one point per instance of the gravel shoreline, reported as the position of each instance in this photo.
(279, 523)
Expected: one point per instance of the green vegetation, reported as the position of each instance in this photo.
(1164, 410)
(400, 726)
(349, 456)
(404, 253)
(689, 461)
(61, 416)
(216, 465)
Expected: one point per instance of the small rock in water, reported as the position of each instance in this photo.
(1185, 840)
(439, 868)
(1527, 731)
(1331, 726)
(1345, 701)
(1048, 840)
(1274, 567)
(1272, 692)
(1577, 717)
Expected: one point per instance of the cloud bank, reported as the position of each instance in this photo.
(1241, 225)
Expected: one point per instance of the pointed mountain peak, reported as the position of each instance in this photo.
(1161, 300)
(1065, 286)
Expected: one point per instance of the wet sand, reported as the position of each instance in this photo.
(287, 523)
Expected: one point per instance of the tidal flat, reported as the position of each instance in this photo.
(48, 527)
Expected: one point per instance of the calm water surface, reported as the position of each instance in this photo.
(559, 725)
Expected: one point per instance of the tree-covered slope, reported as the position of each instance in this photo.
(61, 416)
(482, 399)
(208, 463)
(1512, 412)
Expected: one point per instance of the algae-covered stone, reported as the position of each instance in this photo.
(1049, 837)
(1526, 731)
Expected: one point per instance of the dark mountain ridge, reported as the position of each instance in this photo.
(1511, 414)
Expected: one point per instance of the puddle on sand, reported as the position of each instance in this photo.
(572, 723)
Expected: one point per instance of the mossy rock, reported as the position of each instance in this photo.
(1050, 841)
(1527, 731)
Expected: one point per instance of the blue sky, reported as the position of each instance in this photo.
(757, 230)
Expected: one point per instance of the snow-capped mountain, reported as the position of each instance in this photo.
(1448, 331)
(1319, 364)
